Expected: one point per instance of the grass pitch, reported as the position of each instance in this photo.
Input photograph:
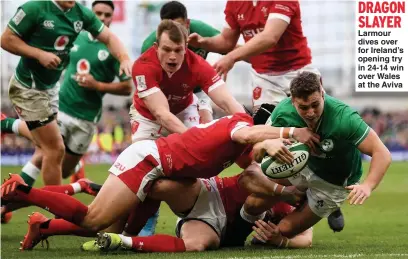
(378, 229)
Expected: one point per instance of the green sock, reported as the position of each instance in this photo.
(7, 125)
(30, 173)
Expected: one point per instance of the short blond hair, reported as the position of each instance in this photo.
(177, 32)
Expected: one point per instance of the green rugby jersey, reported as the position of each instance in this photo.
(44, 25)
(88, 55)
(341, 130)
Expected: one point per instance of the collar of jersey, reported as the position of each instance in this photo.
(59, 7)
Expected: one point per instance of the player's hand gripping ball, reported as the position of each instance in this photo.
(275, 170)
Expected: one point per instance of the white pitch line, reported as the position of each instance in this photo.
(319, 256)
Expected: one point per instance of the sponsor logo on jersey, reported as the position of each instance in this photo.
(251, 32)
(103, 55)
(61, 42)
(48, 24)
(240, 17)
(19, 17)
(141, 83)
(185, 86)
(327, 145)
(83, 66)
(78, 26)
(282, 7)
(256, 93)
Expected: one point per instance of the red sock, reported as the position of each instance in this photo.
(66, 189)
(158, 243)
(59, 204)
(139, 216)
(55, 227)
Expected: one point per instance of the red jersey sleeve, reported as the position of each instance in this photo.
(208, 79)
(245, 159)
(146, 78)
(230, 18)
(283, 10)
(239, 121)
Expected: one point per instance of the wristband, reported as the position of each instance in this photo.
(291, 131)
(281, 132)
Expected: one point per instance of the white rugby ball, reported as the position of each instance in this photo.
(275, 170)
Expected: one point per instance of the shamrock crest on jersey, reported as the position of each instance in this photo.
(327, 145)
(103, 55)
(78, 26)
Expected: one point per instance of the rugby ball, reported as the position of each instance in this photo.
(275, 170)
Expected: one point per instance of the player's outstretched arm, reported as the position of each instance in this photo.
(259, 133)
(224, 99)
(221, 43)
(380, 161)
(117, 49)
(269, 233)
(159, 107)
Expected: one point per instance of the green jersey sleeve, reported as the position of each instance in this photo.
(25, 18)
(354, 127)
(149, 41)
(203, 29)
(91, 22)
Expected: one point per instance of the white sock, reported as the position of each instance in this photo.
(31, 170)
(14, 127)
(250, 218)
(77, 167)
(77, 187)
(126, 241)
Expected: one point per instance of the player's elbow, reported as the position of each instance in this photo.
(6, 41)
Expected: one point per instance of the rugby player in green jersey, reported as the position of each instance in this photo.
(334, 167)
(176, 11)
(88, 77)
(42, 33)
